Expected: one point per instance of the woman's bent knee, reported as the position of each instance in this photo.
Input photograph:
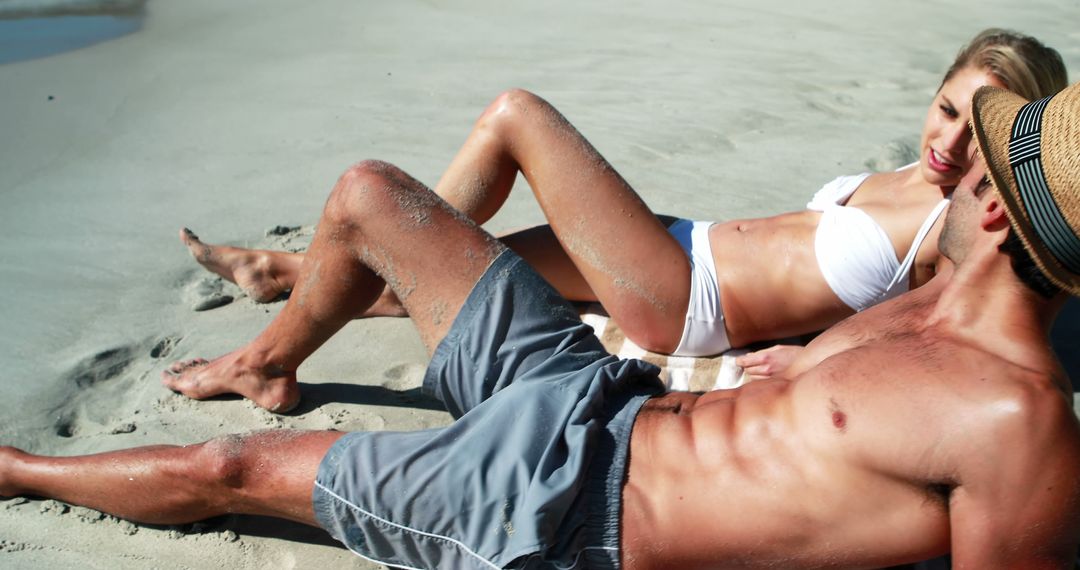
(511, 108)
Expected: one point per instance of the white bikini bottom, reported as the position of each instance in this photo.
(704, 333)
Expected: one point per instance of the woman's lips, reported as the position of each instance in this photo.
(939, 164)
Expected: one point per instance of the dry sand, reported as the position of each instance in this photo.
(234, 117)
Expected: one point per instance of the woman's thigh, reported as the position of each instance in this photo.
(619, 246)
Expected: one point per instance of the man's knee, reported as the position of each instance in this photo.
(221, 461)
(361, 190)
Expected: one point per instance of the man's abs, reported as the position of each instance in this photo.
(738, 475)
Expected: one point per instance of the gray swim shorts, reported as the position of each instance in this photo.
(529, 475)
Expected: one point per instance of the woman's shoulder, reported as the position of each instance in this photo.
(904, 175)
(837, 190)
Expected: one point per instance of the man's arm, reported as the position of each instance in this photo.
(1017, 503)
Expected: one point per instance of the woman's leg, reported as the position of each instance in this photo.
(266, 473)
(263, 274)
(615, 244)
(603, 243)
(266, 275)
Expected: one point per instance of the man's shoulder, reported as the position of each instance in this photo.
(1004, 386)
(983, 395)
(1023, 401)
(1016, 415)
(1016, 464)
(1011, 381)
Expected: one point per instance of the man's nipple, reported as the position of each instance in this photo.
(839, 418)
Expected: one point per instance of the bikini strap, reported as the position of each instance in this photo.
(902, 273)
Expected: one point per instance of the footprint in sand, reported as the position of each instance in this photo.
(289, 238)
(12, 546)
(86, 377)
(830, 102)
(749, 120)
(64, 427)
(101, 378)
(207, 293)
(164, 346)
(126, 427)
(102, 366)
(403, 377)
(282, 230)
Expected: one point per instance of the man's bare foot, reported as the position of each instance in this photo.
(268, 387)
(254, 270)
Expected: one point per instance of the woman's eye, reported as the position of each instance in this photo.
(949, 111)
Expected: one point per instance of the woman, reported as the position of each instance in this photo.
(696, 288)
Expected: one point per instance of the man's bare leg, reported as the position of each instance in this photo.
(264, 473)
(379, 227)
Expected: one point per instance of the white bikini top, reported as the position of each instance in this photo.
(855, 255)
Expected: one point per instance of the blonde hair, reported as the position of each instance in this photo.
(1022, 63)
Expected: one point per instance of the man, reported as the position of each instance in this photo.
(936, 422)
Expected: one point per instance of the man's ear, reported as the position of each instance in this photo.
(993, 216)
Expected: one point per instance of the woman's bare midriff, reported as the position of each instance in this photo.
(770, 284)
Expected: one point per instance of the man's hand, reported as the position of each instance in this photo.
(768, 363)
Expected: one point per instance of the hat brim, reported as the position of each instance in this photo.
(993, 112)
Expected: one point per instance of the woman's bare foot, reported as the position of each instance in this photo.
(268, 387)
(264, 275)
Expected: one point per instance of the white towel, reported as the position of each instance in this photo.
(677, 372)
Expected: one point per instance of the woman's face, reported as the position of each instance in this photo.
(946, 137)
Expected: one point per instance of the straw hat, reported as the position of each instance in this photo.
(1032, 151)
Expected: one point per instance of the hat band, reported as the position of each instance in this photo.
(1025, 158)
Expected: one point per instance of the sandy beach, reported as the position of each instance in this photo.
(235, 119)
